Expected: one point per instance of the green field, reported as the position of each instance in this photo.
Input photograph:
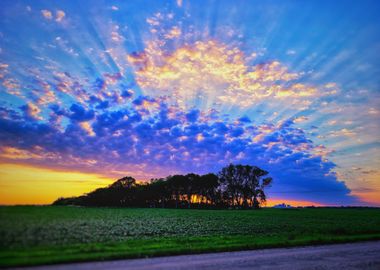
(32, 235)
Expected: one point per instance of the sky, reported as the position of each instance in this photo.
(91, 91)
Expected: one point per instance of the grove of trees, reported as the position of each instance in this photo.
(235, 186)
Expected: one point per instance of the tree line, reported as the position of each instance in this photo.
(235, 186)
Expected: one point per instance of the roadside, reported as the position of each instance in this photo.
(363, 255)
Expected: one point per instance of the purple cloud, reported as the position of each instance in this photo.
(147, 137)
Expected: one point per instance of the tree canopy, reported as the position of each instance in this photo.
(235, 186)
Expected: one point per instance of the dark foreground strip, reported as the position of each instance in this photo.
(365, 255)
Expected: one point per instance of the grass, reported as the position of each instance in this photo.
(32, 235)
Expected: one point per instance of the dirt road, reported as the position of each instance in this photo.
(342, 256)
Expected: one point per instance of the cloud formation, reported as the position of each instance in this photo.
(148, 137)
(212, 70)
(47, 14)
(59, 15)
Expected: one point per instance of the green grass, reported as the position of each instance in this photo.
(31, 235)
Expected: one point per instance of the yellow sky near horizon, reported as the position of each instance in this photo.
(26, 184)
(23, 184)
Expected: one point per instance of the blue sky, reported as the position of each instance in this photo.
(152, 88)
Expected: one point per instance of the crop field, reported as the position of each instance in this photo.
(31, 235)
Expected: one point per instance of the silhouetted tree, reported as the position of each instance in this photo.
(125, 182)
(238, 186)
(207, 189)
(243, 186)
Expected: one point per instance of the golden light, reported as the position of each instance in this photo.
(23, 184)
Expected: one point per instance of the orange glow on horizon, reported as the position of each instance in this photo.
(273, 202)
(23, 184)
(367, 191)
(369, 198)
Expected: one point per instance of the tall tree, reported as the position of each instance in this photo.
(207, 189)
(243, 185)
(125, 182)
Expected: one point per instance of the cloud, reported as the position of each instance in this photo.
(193, 115)
(47, 14)
(290, 52)
(115, 35)
(342, 132)
(373, 111)
(87, 127)
(11, 85)
(300, 119)
(332, 122)
(244, 119)
(214, 71)
(31, 111)
(174, 32)
(80, 114)
(150, 137)
(3, 66)
(59, 15)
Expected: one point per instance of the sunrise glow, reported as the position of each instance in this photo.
(91, 92)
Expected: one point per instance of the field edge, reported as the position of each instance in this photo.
(133, 249)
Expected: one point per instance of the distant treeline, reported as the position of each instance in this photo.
(235, 186)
